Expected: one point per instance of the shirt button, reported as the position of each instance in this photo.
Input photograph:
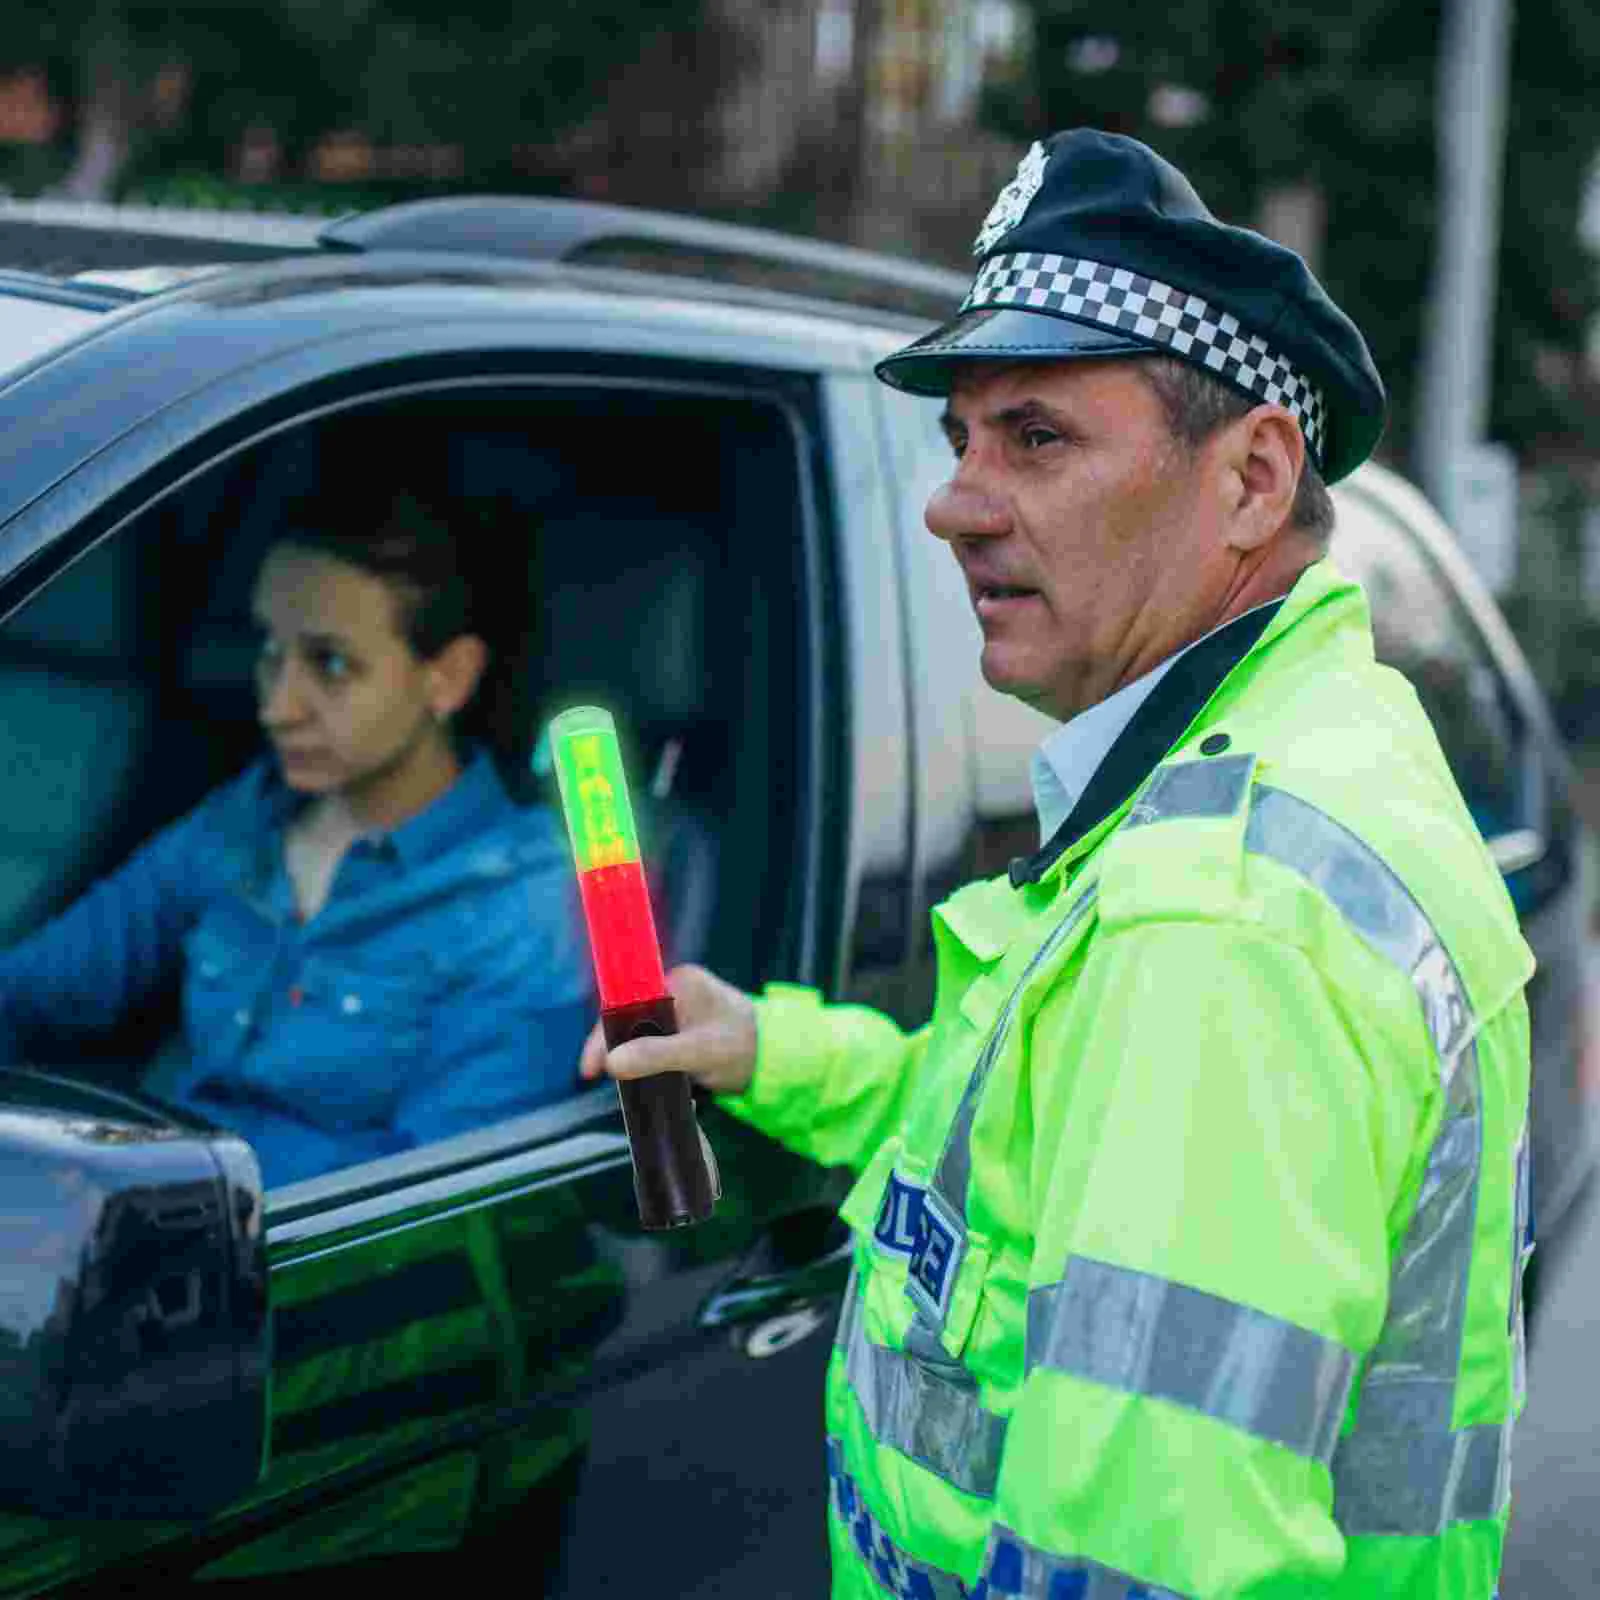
(350, 1004)
(242, 1018)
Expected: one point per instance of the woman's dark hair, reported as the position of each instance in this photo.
(453, 571)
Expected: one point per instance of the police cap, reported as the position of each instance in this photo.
(1100, 248)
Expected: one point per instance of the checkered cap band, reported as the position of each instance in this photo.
(1192, 328)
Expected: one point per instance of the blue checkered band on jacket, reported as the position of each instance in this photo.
(1114, 297)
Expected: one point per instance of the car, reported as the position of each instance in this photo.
(720, 511)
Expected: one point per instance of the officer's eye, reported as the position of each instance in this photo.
(1035, 437)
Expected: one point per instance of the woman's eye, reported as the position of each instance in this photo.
(334, 665)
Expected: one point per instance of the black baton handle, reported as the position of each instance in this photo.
(675, 1178)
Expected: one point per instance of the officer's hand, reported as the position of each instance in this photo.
(715, 1043)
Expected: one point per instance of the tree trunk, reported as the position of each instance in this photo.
(1295, 215)
(105, 113)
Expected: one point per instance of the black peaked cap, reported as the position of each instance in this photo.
(1099, 248)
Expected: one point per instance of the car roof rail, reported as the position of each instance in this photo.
(272, 230)
(547, 228)
(63, 291)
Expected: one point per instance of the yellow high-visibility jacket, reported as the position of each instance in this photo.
(1189, 1231)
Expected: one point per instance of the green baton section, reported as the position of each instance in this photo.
(594, 789)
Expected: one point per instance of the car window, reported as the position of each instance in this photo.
(670, 592)
(1421, 629)
(78, 718)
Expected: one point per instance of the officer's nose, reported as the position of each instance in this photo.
(962, 508)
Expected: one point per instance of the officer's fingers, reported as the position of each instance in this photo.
(645, 1057)
(694, 994)
(702, 999)
(715, 1042)
(592, 1060)
(718, 1022)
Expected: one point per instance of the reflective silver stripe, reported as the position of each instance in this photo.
(849, 1309)
(1522, 1248)
(1149, 1336)
(1204, 788)
(1372, 900)
(897, 1573)
(1402, 1470)
(1013, 1567)
(1421, 1482)
(926, 1406)
(954, 1172)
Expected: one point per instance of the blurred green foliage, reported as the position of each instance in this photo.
(208, 191)
(1343, 98)
(503, 82)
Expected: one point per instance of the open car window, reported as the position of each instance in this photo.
(656, 537)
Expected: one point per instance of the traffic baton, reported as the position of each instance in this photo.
(674, 1172)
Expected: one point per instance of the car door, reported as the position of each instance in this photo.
(442, 1316)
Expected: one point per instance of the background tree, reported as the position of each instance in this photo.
(128, 69)
(175, 86)
(1255, 98)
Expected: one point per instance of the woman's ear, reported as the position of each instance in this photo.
(453, 675)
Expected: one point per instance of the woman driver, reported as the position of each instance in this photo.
(377, 946)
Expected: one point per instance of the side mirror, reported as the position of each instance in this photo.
(134, 1356)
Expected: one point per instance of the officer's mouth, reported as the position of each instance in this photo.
(998, 601)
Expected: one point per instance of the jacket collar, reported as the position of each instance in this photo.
(1171, 709)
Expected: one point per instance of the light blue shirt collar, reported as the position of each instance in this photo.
(1069, 757)
(476, 802)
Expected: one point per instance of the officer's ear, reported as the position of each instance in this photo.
(1258, 461)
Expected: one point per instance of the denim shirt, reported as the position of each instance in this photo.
(444, 984)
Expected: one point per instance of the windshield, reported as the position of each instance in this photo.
(30, 327)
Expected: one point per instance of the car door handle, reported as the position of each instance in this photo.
(753, 1296)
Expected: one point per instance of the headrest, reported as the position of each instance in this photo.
(624, 616)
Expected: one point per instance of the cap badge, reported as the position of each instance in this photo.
(1011, 204)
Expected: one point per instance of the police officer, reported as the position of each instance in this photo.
(1189, 1230)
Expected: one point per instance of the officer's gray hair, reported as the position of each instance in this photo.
(1197, 405)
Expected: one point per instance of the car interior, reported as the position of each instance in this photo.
(664, 580)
